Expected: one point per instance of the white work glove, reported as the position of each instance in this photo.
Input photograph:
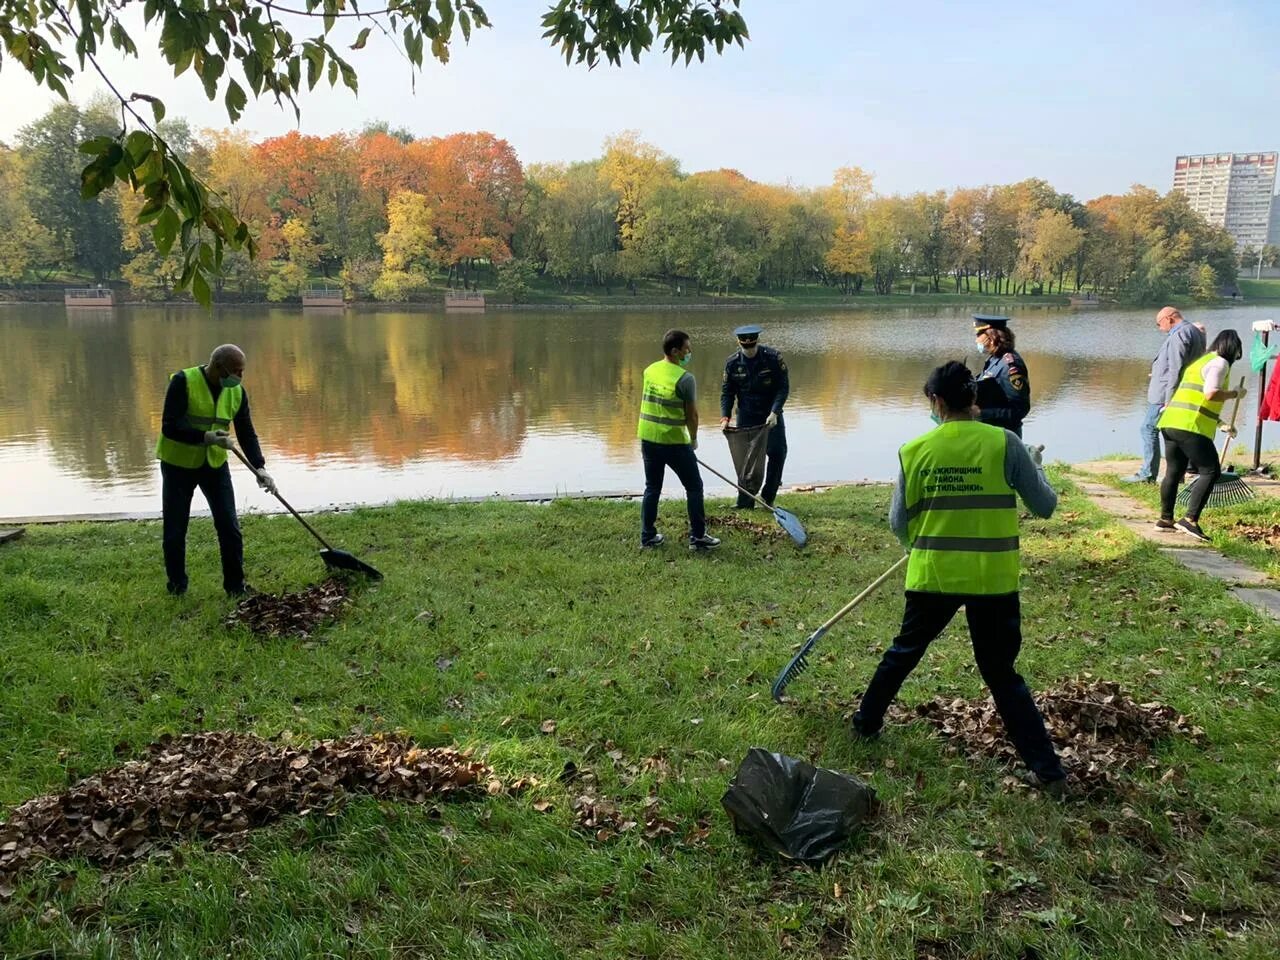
(218, 438)
(693, 443)
(771, 420)
(265, 481)
(1241, 391)
(1228, 429)
(1036, 453)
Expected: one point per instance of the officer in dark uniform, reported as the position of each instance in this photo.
(756, 377)
(1004, 389)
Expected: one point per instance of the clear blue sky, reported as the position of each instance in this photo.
(1093, 96)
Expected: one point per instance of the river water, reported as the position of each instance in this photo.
(375, 405)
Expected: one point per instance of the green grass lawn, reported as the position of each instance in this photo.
(1259, 289)
(551, 613)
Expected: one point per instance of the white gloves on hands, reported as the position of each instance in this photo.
(218, 438)
(1036, 453)
(1229, 430)
(265, 481)
(1241, 391)
(771, 420)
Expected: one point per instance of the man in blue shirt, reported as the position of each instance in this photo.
(1183, 343)
(756, 378)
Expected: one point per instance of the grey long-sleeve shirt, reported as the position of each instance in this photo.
(1183, 344)
(1020, 472)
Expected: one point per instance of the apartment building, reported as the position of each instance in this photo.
(1231, 190)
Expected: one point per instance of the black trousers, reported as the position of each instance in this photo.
(178, 486)
(680, 458)
(995, 629)
(1183, 447)
(776, 458)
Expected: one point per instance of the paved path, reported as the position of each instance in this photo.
(1246, 583)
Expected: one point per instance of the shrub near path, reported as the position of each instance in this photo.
(542, 638)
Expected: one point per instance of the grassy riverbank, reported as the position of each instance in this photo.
(496, 618)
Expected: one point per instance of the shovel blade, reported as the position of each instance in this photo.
(792, 525)
(341, 560)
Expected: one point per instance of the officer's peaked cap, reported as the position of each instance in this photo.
(748, 330)
(981, 321)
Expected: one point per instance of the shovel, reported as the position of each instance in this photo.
(333, 559)
(787, 521)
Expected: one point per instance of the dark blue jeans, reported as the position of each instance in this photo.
(995, 629)
(679, 457)
(1150, 467)
(179, 484)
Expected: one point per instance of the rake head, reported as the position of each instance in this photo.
(1229, 491)
(795, 666)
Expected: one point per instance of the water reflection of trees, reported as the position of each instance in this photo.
(397, 387)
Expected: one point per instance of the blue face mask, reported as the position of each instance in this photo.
(684, 361)
(229, 382)
(934, 417)
(980, 346)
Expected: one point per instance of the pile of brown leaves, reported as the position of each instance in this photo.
(220, 785)
(291, 614)
(1099, 730)
(1268, 533)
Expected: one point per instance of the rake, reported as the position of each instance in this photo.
(800, 662)
(786, 520)
(1229, 489)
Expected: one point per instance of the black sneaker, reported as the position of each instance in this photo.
(862, 730)
(1164, 524)
(175, 591)
(1055, 789)
(656, 540)
(704, 542)
(1192, 529)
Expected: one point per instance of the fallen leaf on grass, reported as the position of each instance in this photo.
(548, 726)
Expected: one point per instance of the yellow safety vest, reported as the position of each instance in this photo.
(662, 417)
(1188, 409)
(962, 515)
(201, 415)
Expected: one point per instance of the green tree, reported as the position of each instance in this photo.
(1204, 282)
(25, 243)
(87, 232)
(515, 277)
(236, 48)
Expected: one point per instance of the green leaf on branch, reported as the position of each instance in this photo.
(236, 100)
(361, 39)
(200, 288)
(165, 231)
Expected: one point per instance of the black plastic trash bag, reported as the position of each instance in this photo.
(794, 808)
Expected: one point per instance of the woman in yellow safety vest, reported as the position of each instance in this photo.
(1188, 424)
(954, 507)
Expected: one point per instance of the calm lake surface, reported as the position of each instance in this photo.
(369, 406)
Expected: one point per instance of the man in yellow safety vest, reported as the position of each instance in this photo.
(668, 432)
(199, 407)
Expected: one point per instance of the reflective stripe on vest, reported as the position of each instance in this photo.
(962, 515)
(202, 414)
(662, 417)
(1188, 409)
